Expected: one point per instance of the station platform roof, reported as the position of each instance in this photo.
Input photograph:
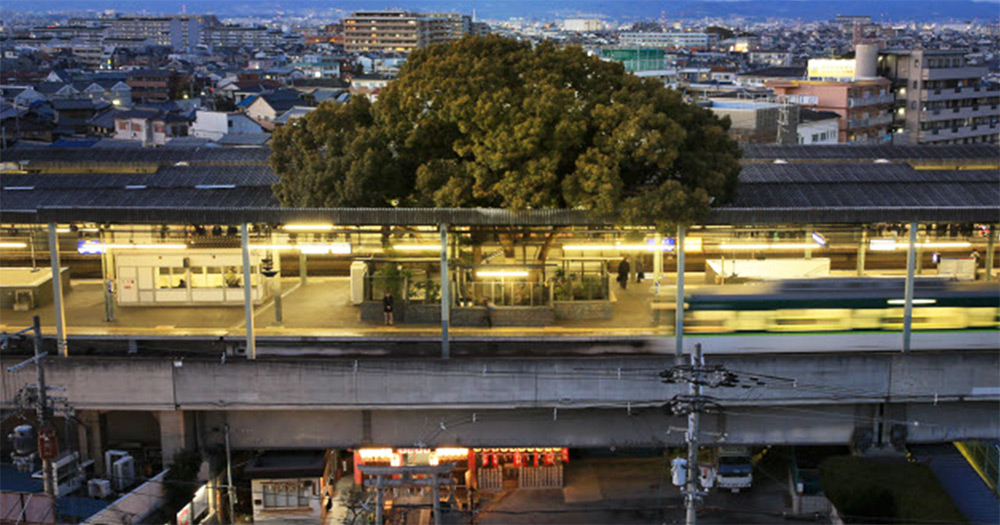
(778, 184)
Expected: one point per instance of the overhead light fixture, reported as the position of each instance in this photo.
(691, 244)
(767, 247)
(308, 227)
(13, 245)
(416, 247)
(915, 301)
(502, 273)
(92, 247)
(888, 245)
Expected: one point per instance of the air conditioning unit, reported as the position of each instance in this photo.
(99, 488)
(123, 472)
(24, 300)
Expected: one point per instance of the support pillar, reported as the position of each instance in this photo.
(58, 310)
(89, 438)
(862, 250)
(919, 261)
(173, 434)
(658, 258)
(679, 312)
(436, 501)
(378, 500)
(247, 291)
(908, 294)
(303, 272)
(990, 249)
(276, 286)
(445, 294)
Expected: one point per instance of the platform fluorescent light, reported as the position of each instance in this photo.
(888, 245)
(915, 301)
(416, 247)
(502, 273)
(62, 230)
(767, 247)
(691, 244)
(13, 245)
(308, 227)
(94, 247)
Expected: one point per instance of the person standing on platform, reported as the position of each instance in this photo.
(623, 269)
(639, 274)
(387, 303)
(109, 298)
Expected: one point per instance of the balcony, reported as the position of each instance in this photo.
(932, 95)
(874, 100)
(934, 115)
(956, 132)
(952, 73)
(867, 122)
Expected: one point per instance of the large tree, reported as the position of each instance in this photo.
(492, 122)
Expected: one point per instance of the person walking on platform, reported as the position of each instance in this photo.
(623, 269)
(639, 274)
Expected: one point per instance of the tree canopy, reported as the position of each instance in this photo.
(493, 122)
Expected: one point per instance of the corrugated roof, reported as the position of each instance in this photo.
(860, 153)
(232, 185)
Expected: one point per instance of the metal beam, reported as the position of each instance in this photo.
(990, 249)
(911, 259)
(247, 291)
(679, 315)
(445, 294)
(57, 292)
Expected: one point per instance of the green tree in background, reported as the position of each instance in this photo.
(492, 122)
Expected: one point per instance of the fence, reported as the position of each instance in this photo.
(984, 456)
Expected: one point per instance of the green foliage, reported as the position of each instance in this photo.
(571, 288)
(492, 122)
(390, 277)
(181, 481)
(886, 491)
(427, 291)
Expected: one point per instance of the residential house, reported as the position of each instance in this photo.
(269, 106)
(72, 116)
(369, 85)
(151, 126)
(20, 96)
(215, 124)
(817, 127)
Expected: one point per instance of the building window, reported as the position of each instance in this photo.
(913, 105)
(284, 495)
(123, 126)
(136, 127)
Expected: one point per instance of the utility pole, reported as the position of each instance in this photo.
(47, 448)
(229, 480)
(691, 495)
(697, 375)
(42, 408)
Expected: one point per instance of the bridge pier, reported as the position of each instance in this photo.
(175, 434)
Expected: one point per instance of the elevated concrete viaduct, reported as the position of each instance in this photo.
(577, 402)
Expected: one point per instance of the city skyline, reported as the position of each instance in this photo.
(804, 10)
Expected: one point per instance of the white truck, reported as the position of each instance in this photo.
(734, 469)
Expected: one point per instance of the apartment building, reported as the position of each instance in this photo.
(863, 105)
(238, 36)
(178, 31)
(665, 40)
(401, 30)
(940, 98)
